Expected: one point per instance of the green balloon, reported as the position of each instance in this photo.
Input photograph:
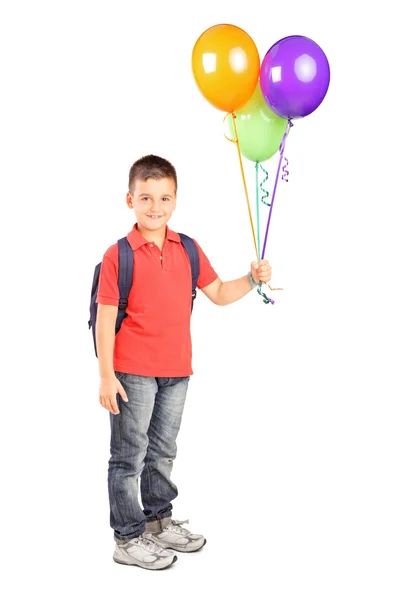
(260, 130)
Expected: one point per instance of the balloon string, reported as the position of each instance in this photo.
(265, 192)
(244, 182)
(285, 172)
(281, 151)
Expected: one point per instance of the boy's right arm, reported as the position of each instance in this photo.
(105, 338)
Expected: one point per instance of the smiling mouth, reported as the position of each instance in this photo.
(154, 216)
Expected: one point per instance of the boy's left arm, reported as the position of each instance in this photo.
(223, 293)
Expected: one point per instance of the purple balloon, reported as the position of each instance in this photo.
(294, 77)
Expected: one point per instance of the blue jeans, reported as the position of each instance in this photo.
(143, 444)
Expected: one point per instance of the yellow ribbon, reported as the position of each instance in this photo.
(236, 141)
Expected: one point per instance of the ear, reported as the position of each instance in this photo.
(129, 200)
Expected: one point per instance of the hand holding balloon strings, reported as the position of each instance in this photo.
(260, 132)
(235, 140)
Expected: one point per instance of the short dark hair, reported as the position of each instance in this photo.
(153, 167)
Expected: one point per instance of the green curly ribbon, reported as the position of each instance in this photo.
(266, 193)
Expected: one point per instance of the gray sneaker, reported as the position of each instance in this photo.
(143, 552)
(174, 536)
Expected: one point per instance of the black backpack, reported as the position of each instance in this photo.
(125, 274)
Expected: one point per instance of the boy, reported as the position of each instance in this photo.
(145, 369)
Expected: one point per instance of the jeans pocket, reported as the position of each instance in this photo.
(179, 380)
(119, 375)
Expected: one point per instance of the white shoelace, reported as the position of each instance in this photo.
(175, 526)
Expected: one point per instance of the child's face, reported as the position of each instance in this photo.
(153, 202)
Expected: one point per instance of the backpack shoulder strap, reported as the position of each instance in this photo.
(193, 254)
(125, 271)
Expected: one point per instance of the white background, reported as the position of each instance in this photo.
(288, 452)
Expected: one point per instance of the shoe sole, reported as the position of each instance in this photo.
(149, 568)
(180, 549)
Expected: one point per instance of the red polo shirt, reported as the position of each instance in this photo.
(154, 338)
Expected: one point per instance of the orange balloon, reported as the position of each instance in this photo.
(226, 66)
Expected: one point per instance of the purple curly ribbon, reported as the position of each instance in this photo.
(281, 151)
(285, 175)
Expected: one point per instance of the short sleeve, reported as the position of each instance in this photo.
(207, 273)
(108, 283)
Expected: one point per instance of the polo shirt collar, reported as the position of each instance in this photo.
(136, 239)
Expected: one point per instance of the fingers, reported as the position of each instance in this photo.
(122, 393)
(110, 403)
(264, 271)
(114, 406)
